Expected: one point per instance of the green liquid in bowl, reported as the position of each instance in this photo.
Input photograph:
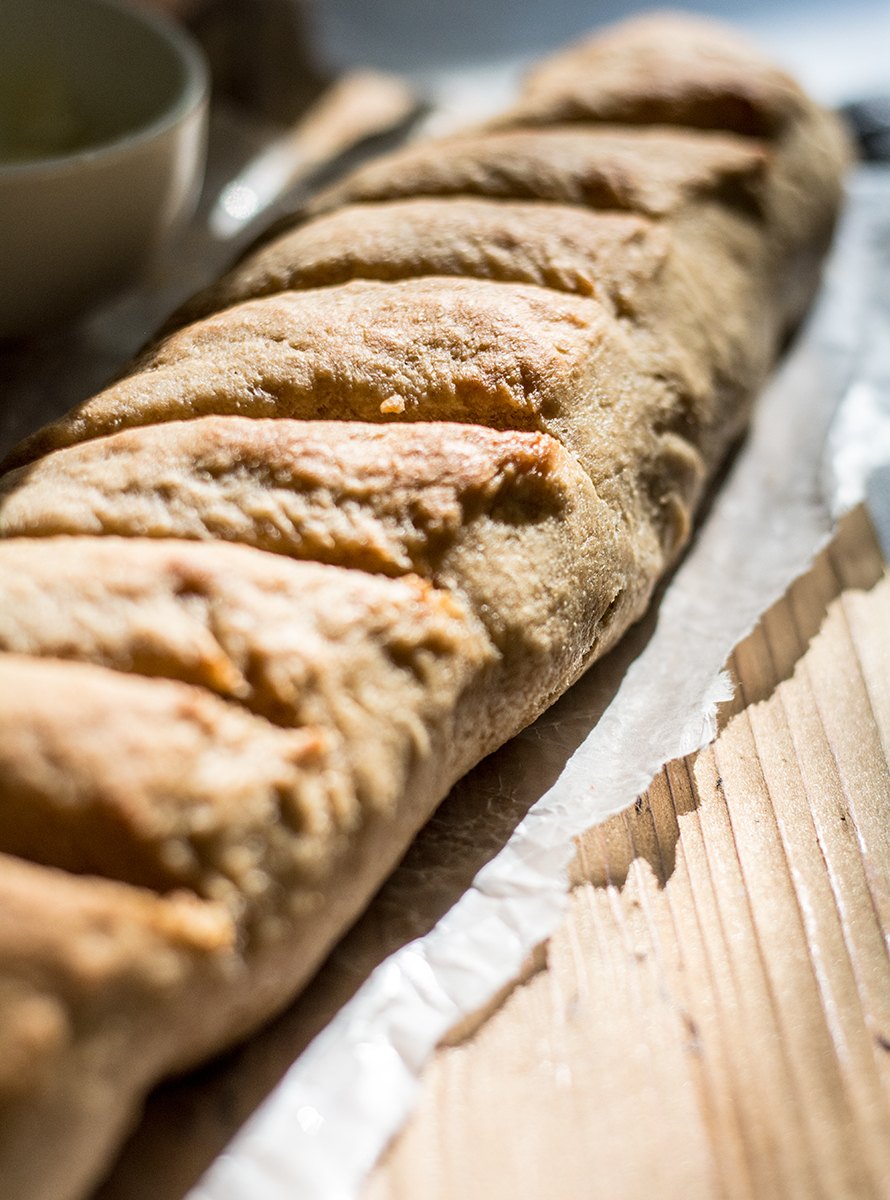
(39, 117)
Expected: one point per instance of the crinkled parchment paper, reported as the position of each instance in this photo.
(820, 443)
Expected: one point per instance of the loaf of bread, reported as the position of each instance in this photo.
(366, 507)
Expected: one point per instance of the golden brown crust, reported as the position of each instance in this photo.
(507, 356)
(367, 668)
(428, 349)
(88, 968)
(505, 363)
(661, 69)
(649, 171)
(195, 795)
(465, 507)
(611, 256)
(258, 482)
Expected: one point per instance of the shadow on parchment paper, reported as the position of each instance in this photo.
(188, 1122)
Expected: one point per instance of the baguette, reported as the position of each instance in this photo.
(359, 514)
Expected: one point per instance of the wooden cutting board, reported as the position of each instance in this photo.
(713, 1019)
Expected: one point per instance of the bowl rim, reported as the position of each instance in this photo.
(192, 96)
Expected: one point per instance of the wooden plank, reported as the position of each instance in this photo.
(714, 1015)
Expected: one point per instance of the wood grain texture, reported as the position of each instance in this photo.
(714, 1018)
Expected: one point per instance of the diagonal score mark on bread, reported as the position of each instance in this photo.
(225, 804)
(654, 70)
(510, 357)
(458, 416)
(365, 668)
(649, 171)
(464, 507)
(607, 255)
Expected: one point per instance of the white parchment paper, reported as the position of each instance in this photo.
(820, 443)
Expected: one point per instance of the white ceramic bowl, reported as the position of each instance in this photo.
(103, 122)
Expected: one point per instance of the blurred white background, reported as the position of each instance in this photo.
(839, 51)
